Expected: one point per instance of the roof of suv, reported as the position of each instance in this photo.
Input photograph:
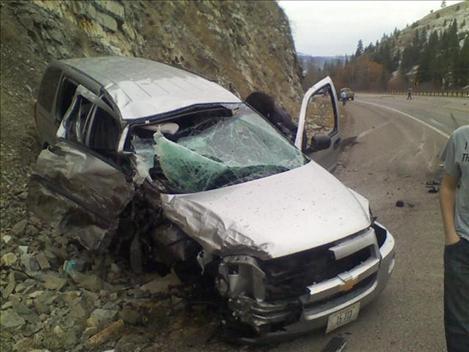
(142, 88)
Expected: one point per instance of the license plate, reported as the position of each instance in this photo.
(342, 317)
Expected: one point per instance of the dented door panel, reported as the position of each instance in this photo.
(78, 192)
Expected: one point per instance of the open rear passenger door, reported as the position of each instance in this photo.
(76, 187)
(319, 119)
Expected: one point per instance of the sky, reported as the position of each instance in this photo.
(327, 28)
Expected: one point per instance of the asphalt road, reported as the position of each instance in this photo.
(393, 158)
(442, 113)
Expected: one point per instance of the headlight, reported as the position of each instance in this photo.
(380, 233)
(240, 275)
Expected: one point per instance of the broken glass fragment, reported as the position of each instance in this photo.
(223, 151)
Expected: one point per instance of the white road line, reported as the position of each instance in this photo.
(440, 132)
(436, 122)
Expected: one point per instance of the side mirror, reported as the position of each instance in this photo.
(320, 142)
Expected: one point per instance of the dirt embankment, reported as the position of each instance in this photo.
(55, 297)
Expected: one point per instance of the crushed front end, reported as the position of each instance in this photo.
(272, 300)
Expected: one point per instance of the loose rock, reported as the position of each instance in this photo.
(101, 317)
(23, 249)
(130, 316)
(19, 228)
(400, 204)
(9, 259)
(42, 261)
(88, 281)
(10, 319)
(10, 287)
(29, 263)
(53, 282)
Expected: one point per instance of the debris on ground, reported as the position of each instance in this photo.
(56, 297)
(104, 335)
(433, 186)
(336, 344)
(400, 204)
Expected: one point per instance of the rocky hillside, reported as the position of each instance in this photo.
(225, 42)
(45, 305)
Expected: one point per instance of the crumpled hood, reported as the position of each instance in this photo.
(273, 216)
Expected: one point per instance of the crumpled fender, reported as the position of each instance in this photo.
(215, 234)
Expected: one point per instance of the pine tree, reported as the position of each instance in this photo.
(452, 54)
(463, 64)
(359, 50)
(432, 54)
(396, 59)
(370, 48)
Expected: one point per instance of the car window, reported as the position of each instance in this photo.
(78, 120)
(320, 115)
(66, 93)
(48, 88)
(104, 133)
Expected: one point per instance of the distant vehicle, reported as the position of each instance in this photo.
(347, 94)
(146, 156)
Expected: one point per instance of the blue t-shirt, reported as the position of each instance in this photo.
(456, 164)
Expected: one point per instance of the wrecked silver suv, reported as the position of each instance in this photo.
(176, 171)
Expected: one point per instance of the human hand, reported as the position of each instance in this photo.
(451, 239)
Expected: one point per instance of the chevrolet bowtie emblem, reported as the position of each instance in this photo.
(348, 285)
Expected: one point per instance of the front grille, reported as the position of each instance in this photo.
(355, 291)
(289, 276)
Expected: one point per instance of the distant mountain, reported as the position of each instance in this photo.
(308, 61)
(430, 54)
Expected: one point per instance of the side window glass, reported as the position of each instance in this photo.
(78, 120)
(48, 88)
(104, 134)
(320, 115)
(67, 91)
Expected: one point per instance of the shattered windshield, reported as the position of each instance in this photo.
(222, 147)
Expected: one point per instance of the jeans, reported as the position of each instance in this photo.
(457, 296)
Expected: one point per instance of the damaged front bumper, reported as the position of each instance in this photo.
(274, 321)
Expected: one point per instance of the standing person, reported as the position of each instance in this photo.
(266, 105)
(409, 93)
(454, 202)
(343, 97)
